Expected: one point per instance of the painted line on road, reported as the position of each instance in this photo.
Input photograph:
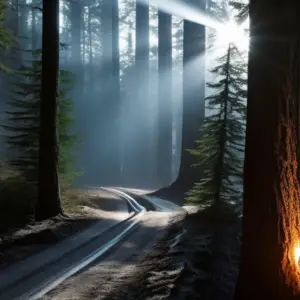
(92, 257)
(47, 286)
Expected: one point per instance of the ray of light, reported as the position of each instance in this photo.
(186, 11)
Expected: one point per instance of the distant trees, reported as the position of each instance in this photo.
(5, 36)
(116, 90)
(141, 165)
(49, 204)
(110, 95)
(270, 261)
(219, 151)
(164, 158)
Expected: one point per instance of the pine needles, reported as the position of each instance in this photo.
(23, 123)
(219, 151)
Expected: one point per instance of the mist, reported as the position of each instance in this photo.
(127, 98)
(119, 131)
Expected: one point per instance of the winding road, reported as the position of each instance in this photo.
(51, 273)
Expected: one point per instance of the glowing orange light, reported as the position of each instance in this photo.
(297, 255)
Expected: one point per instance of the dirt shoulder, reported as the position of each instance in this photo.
(126, 263)
(200, 263)
(87, 207)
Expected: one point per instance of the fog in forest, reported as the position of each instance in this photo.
(127, 110)
(119, 130)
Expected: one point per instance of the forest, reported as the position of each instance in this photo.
(194, 101)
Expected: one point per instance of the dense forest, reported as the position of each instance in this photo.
(111, 118)
(131, 90)
(164, 97)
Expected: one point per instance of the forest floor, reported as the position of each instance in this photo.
(83, 208)
(192, 260)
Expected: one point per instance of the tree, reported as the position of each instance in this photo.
(110, 102)
(164, 159)
(141, 163)
(220, 148)
(193, 104)
(270, 263)
(49, 204)
(23, 119)
(116, 90)
(193, 96)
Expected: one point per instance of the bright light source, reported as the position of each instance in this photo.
(297, 255)
(232, 33)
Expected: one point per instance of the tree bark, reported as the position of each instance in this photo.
(271, 185)
(193, 106)
(164, 159)
(49, 203)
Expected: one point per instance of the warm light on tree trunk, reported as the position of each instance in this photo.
(271, 230)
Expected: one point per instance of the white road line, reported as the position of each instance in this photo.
(40, 291)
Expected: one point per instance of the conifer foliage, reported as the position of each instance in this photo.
(219, 152)
(23, 122)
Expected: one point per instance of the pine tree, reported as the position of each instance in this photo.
(219, 152)
(23, 123)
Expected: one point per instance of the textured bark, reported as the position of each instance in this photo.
(271, 185)
(49, 203)
(164, 159)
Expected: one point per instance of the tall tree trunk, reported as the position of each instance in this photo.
(193, 105)
(110, 125)
(116, 111)
(80, 107)
(33, 27)
(269, 269)
(164, 159)
(24, 36)
(141, 161)
(193, 97)
(76, 11)
(90, 37)
(49, 203)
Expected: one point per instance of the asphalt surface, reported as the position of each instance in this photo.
(99, 279)
(144, 233)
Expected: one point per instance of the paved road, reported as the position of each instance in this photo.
(97, 281)
(146, 231)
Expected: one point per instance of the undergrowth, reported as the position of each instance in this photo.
(18, 196)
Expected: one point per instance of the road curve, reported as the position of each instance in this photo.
(35, 284)
(106, 274)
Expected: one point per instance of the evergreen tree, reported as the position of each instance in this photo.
(23, 123)
(219, 152)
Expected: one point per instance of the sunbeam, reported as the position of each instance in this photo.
(186, 11)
